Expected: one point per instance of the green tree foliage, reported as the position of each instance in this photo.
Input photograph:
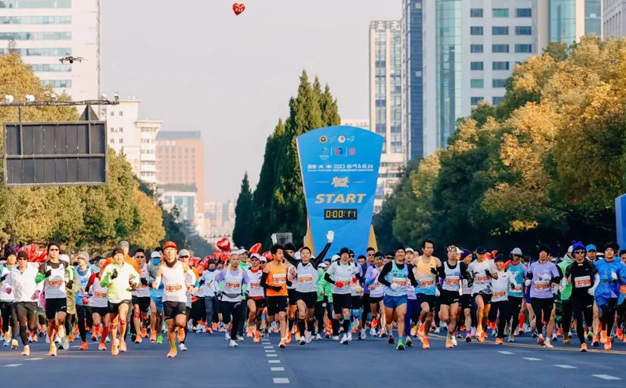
(278, 199)
(543, 166)
(244, 216)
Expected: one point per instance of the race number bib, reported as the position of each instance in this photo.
(173, 288)
(305, 278)
(499, 294)
(542, 285)
(452, 280)
(482, 279)
(427, 283)
(515, 287)
(582, 281)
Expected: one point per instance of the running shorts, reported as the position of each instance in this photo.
(54, 306)
(102, 311)
(172, 309)
(486, 298)
(309, 298)
(276, 304)
(259, 303)
(430, 299)
(143, 302)
(448, 298)
(393, 302)
(467, 301)
(375, 300)
(293, 296)
(158, 302)
(114, 308)
(357, 302)
(341, 301)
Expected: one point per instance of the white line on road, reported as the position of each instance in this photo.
(532, 359)
(12, 365)
(565, 366)
(268, 347)
(273, 361)
(270, 351)
(272, 355)
(277, 369)
(281, 380)
(34, 359)
(606, 377)
(505, 352)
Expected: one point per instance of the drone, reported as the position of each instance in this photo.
(70, 59)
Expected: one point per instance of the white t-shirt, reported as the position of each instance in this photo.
(343, 274)
(23, 283)
(482, 282)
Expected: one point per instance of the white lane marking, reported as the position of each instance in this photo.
(34, 359)
(270, 351)
(271, 355)
(505, 352)
(565, 366)
(531, 358)
(277, 369)
(268, 347)
(606, 377)
(281, 380)
(273, 361)
(12, 365)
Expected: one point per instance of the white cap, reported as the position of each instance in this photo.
(256, 256)
(335, 258)
(155, 255)
(409, 250)
(323, 265)
(263, 259)
(64, 258)
(516, 251)
(297, 256)
(459, 251)
(570, 249)
(184, 252)
(240, 251)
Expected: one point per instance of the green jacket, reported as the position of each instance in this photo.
(324, 288)
(567, 292)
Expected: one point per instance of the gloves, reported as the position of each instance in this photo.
(36, 295)
(85, 301)
(246, 293)
(339, 284)
(8, 290)
(201, 282)
(48, 273)
(527, 282)
(394, 286)
(219, 294)
(354, 279)
(289, 283)
(437, 293)
(114, 274)
(562, 285)
(433, 270)
(591, 291)
(69, 284)
(144, 281)
(614, 275)
(330, 236)
(488, 273)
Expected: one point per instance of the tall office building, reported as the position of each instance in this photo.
(180, 164)
(363, 123)
(386, 101)
(614, 19)
(43, 31)
(134, 138)
(566, 21)
(412, 80)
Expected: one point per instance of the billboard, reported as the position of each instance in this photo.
(339, 168)
(55, 154)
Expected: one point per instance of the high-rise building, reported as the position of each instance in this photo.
(386, 101)
(132, 137)
(362, 123)
(614, 19)
(412, 81)
(566, 21)
(180, 161)
(44, 31)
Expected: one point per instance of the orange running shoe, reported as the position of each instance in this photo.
(619, 333)
(250, 332)
(449, 343)
(374, 322)
(181, 334)
(53, 350)
(153, 337)
(603, 337)
(76, 331)
(257, 337)
(84, 346)
(282, 344)
(607, 344)
(420, 331)
(425, 344)
(214, 326)
(413, 331)
(144, 332)
(559, 333)
(288, 339)
(102, 347)
(72, 337)
(499, 341)
(123, 347)
(172, 353)
(115, 350)
(583, 347)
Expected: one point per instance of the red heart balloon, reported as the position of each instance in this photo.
(238, 8)
(256, 248)
(268, 255)
(224, 244)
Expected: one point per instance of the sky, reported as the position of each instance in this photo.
(198, 67)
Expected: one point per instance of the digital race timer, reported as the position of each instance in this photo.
(340, 214)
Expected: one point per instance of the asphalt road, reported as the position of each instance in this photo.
(370, 363)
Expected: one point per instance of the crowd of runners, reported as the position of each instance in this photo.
(403, 296)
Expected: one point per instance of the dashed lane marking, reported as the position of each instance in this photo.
(565, 366)
(505, 352)
(273, 361)
(277, 369)
(531, 358)
(281, 380)
(606, 377)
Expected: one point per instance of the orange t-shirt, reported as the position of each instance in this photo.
(277, 276)
(127, 259)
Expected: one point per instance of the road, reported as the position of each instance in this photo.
(370, 363)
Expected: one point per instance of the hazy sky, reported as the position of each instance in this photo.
(197, 66)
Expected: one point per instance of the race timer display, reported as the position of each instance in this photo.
(340, 214)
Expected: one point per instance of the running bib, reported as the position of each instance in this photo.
(427, 283)
(101, 295)
(255, 285)
(542, 285)
(56, 283)
(582, 281)
(279, 279)
(482, 279)
(499, 294)
(233, 285)
(305, 278)
(515, 288)
(173, 288)
(452, 280)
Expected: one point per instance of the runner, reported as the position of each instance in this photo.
(190, 280)
(467, 302)
(540, 276)
(7, 299)
(120, 278)
(395, 276)
(324, 304)
(426, 268)
(235, 279)
(516, 292)
(340, 274)
(156, 300)
(83, 309)
(210, 300)
(565, 291)
(376, 294)
(172, 274)
(274, 280)
(256, 297)
(291, 287)
(99, 306)
(580, 276)
(482, 271)
(57, 277)
(451, 272)
(501, 284)
(21, 283)
(141, 299)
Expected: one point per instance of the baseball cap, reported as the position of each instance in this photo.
(344, 250)
(155, 255)
(517, 251)
(123, 244)
(255, 256)
(240, 251)
(263, 259)
(170, 244)
(324, 264)
(481, 250)
(465, 253)
(83, 255)
(459, 251)
(335, 258)
(591, 247)
(409, 250)
(183, 252)
(22, 254)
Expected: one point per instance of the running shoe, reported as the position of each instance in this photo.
(454, 343)
(182, 347)
(468, 337)
(318, 337)
(250, 332)
(449, 343)
(65, 344)
(409, 341)
(511, 338)
(282, 344)
(159, 340)
(540, 340)
(53, 350)
(302, 340)
(344, 340)
(362, 335)
(288, 339)
(115, 350)
(603, 337)
(14, 344)
(26, 351)
(566, 339)
(94, 337)
(596, 341)
(257, 337)
(227, 337)
(373, 332)
(400, 344)
(172, 353)
(122, 346)
(239, 338)
(499, 341)
(350, 336)
(413, 331)
(391, 340)
(335, 338)
(102, 347)
(534, 335)
(144, 332)
(583, 347)
(607, 344)
(548, 345)
(107, 340)
(425, 344)
(233, 344)
(559, 332)
(153, 337)
(84, 346)
(308, 337)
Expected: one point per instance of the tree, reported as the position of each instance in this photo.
(151, 230)
(243, 216)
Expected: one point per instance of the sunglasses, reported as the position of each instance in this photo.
(53, 250)
(184, 257)
(579, 252)
(22, 258)
(140, 257)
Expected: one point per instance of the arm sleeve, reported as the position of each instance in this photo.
(556, 274)
(412, 276)
(328, 278)
(369, 279)
(264, 280)
(322, 254)
(90, 282)
(292, 260)
(105, 278)
(464, 273)
(385, 271)
(441, 272)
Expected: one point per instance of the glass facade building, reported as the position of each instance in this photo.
(413, 78)
(563, 19)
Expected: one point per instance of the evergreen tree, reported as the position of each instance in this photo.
(243, 216)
